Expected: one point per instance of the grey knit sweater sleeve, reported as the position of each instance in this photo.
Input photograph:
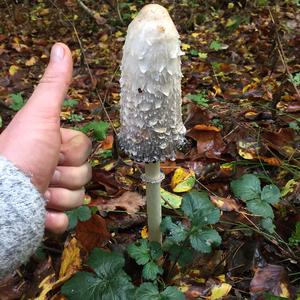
(22, 216)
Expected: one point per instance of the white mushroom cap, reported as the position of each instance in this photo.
(151, 123)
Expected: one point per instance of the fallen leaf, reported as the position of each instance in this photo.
(31, 61)
(225, 204)
(144, 232)
(46, 285)
(129, 201)
(92, 233)
(183, 180)
(271, 278)
(13, 69)
(70, 260)
(169, 200)
(219, 291)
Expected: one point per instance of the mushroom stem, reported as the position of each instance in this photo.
(153, 178)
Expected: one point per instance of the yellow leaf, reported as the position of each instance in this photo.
(144, 232)
(13, 69)
(195, 34)
(71, 261)
(246, 155)
(133, 8)
(219, 291)
(31, 61)
(230, 5)
(289, 187)
(284, 291)
(46, 285)
(185, 46)
(118, 34)
(183, 180)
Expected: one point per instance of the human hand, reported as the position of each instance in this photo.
(55, 158)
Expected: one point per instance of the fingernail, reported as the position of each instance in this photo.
(57, 53)
(56, 176)
(61, 158)
(47, 195)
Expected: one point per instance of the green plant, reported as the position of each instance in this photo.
(215, 45)
(82, 213)
(108, 281)
(258, 200)
(17, 101)
(98, 128)
(295, 78)
(200, 99)
(75, 118)
(70, 103)
(295, 124)
(294, 240)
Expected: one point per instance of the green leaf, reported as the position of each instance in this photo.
(108, 282)
(206, 216)
(140, 252)
(99, 129)
(73, 219)
(183, 256)
(203, 240)
(176, 232)
(268, 296)
(200, 99)
(83, 213)
(260, 208)
(17, 101)
(270, 193)
(170, 200)
(70, 103)
(294, 240)
(267, 224)
(215, 45)
(149, 291)
(246, 187)
(155, 250)
(151, 270)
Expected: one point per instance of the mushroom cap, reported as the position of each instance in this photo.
(151, 121)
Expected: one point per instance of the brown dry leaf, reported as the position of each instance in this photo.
(225, 204)
(209, 140)
(31, 61)
(107, 144)
(129, 201)
(11, 288)
(92, 233)
(107, 179)
(71, 261)
(271, 278)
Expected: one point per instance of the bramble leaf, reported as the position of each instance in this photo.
(82, 213)
(151, 270)
(246, 187)
(108, 282)
(140, 252)
(260, 208)
(184, 256)
(270, 193)
(175, 232)
(203, 239)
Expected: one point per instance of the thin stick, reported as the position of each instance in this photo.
(153, 178)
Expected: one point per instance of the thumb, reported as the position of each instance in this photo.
(48, 96)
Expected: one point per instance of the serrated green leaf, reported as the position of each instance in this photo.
(155, 250)
(147, 291)
(17, 101)
(172, 293)
(170, 200)
(206, 216)
(194, 201)
(267, 224)
(215, 45)
(151, 270)
(99, 129)
(246, 187)
(83, 213)
(203, 240)
(175, 232)
(183, 256)
(140, 252)
(108, 282)
(260, 208)
(270, 193)
(70, 103)
(294, 239)
(73, 219)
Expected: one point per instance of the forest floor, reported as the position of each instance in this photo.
(241, 108)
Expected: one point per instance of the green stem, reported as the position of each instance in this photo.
(153, 178)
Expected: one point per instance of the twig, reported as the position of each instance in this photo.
(95, 15)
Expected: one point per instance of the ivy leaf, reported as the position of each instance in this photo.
(176, 232)
(267, 224)
(151, 270)
(202, 240)
(108, 282)
(194, 201)
(140, 252)
(270, 193)
(246, 187)
(260, 208)
(149, 291)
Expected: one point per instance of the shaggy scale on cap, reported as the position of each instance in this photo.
(151, 123)
(22, 217)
